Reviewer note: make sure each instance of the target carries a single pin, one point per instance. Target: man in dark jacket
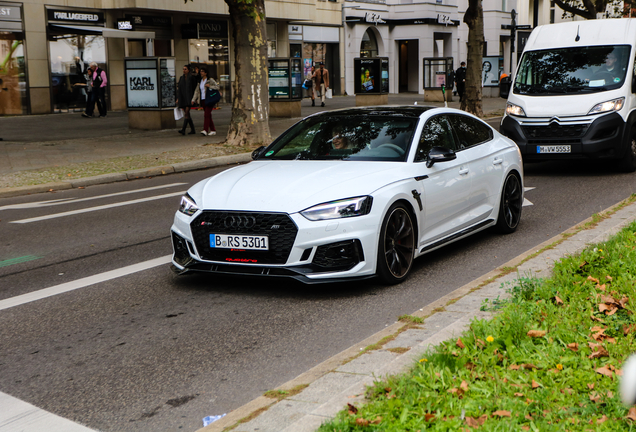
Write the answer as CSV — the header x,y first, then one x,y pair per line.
x,y
460,80
185,91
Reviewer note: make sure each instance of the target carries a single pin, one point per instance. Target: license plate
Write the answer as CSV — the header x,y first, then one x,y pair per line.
x,y
554,149
238,241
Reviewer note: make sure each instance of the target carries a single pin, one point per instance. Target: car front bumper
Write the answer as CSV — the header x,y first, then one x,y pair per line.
x,y
319,251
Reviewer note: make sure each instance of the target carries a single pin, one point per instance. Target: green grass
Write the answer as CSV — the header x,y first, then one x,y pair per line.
x,y
498,377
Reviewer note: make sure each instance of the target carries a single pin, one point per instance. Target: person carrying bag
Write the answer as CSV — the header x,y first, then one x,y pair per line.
x,y
185,91
200,96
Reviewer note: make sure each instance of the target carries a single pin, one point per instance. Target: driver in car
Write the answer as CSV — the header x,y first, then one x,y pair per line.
x,y
338,140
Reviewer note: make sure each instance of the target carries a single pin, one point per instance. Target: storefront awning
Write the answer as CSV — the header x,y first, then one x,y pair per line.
x,y
106,32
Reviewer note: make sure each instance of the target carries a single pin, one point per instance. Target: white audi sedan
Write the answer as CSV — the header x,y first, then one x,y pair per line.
x,y
353,193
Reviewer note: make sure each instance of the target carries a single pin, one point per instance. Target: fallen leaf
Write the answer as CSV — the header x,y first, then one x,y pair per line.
x,y
605,371
631,415
525,428
476,422
610,394
592,279
429,417
529,366
593,318
536,333
519,394
501,413
608,277
599,352
378,419
528,417
627,329
460,344
480,343
362,422
352,409
535,384
601,287
573,346
583,264
513,367
464,386
595,397
590,386
602,419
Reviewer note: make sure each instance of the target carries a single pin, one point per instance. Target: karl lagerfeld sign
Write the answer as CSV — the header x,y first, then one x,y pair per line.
x,y
141,88
75,16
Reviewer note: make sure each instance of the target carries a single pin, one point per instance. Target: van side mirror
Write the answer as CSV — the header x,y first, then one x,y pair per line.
x,y
634,84
504,87
439,154
256,153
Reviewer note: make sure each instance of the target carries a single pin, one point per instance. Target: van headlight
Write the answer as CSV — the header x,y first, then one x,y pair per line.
x,y
609,106
349,207
515,110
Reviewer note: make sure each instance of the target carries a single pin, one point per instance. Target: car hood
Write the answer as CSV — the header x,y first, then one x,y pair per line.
x,y
292,186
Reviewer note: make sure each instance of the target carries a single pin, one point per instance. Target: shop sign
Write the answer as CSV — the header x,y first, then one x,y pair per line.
x,y
444,19
125,25
75,16
373,18
150,20
142,88
10,13
211,29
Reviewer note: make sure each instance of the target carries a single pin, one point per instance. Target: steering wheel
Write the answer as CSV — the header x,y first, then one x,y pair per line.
x,y
396,148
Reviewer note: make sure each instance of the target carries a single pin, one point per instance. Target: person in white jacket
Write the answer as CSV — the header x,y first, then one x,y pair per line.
x,y
199,98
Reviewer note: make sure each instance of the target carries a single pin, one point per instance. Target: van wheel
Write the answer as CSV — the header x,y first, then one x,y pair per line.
x,y
510,205
628,161
396,246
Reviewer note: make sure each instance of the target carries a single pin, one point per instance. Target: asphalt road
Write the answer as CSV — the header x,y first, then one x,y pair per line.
x,y
151,351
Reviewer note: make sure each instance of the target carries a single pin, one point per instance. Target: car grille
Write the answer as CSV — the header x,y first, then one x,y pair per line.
x,y
555,133
279,227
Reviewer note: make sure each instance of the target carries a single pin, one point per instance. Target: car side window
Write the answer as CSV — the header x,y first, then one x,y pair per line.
x,y
437,132
470,131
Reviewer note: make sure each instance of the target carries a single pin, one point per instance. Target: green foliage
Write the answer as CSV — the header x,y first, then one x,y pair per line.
x,y
500,377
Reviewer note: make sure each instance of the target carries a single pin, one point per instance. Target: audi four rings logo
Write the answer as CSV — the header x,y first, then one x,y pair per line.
x,y
239,221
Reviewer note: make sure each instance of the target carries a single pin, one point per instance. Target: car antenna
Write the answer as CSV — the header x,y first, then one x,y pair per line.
x,y
577,38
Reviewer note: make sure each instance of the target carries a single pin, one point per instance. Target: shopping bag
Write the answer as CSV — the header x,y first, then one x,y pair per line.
x,y
212,97
328,94
178,114
307,84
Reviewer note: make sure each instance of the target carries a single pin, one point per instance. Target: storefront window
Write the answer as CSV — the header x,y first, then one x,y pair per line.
x,y
214,54
13,97
70,57
369,45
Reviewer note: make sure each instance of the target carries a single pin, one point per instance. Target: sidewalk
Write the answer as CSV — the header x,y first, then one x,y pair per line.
x,y
57,140
327,388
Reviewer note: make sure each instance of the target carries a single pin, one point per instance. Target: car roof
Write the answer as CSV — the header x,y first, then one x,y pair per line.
x,y
413,111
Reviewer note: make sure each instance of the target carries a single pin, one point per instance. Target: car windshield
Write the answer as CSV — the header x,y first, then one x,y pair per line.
x,y
346,138
572,70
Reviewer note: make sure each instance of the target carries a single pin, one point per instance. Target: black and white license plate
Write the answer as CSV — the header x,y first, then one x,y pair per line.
x,y
239,241
554,149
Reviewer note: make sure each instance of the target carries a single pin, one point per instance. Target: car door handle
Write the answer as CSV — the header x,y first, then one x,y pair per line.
x,y
497,161
463,171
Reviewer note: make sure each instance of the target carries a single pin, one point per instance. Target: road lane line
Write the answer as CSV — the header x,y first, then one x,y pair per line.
x,y
49,203
92,209
82,283
17,415
18,260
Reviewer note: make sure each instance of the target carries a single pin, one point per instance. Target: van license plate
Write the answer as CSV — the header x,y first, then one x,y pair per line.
x,y
554,149
247,242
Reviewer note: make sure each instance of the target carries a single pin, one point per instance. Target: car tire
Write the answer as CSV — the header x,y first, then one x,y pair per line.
x,y
510,205
396,245
628,162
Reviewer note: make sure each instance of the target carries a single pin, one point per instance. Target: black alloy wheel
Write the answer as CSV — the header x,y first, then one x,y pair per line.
x,y
396,247
510,205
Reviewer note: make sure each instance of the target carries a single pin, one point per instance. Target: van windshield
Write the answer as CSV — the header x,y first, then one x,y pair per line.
x,y
572,70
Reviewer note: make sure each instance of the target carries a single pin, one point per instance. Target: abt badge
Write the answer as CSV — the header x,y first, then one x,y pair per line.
x,y
275,227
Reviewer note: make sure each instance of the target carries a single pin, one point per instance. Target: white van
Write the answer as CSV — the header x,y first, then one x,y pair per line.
x,y
574,93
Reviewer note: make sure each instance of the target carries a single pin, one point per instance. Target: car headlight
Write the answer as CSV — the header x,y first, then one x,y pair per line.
x,y
349,207
188,206
603,107
515,110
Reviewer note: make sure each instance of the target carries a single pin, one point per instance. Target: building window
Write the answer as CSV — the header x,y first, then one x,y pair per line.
x,y
369,45
271,39
13,97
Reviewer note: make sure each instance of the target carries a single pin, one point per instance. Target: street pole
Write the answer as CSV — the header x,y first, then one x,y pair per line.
x,y
513,32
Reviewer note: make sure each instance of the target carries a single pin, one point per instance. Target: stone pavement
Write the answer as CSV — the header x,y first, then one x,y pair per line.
x,y
343,379
56,140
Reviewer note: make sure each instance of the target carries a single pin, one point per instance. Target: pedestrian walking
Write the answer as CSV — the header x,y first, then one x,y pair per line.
x,y
200,93
460,80
90,102
311,75
185,92
98,91
322,82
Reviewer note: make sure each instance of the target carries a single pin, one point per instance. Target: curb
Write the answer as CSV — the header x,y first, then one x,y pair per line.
x,y
128,175
453,313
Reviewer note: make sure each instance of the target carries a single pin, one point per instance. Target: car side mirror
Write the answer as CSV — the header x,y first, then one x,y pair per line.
x,y
504,87
256,153
439,154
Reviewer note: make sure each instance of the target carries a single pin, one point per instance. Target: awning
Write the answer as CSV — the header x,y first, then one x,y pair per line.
x,y
106,32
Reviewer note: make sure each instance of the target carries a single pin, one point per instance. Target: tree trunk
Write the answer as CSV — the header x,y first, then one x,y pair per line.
x,y
474,18
250,108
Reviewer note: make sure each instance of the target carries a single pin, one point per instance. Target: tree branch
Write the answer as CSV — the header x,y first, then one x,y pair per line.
x,y
585,13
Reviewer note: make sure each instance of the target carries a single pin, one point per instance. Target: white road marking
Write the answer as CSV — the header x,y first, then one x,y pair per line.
x,y
73,200
17,415
102,207
81,283
525,200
